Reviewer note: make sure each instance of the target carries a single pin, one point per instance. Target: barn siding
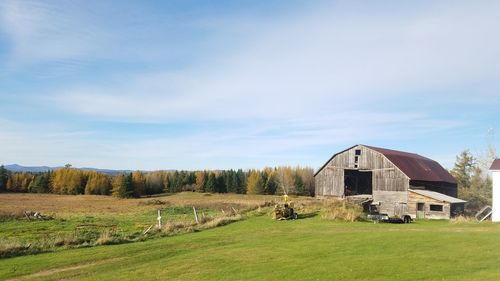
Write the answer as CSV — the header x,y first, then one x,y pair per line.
x,y
330,180
327,180
415,198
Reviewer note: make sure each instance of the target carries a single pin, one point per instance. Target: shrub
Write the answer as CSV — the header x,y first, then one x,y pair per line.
x,y
462,219
15,248
341,210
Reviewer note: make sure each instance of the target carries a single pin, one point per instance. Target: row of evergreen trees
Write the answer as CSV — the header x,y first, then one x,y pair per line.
x,y
68,180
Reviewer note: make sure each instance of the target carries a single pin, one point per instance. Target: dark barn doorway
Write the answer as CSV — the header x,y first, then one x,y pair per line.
x,y
356,182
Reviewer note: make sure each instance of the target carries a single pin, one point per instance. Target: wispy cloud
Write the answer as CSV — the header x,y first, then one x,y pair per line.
x,y
283,88
243,145
44,32
316,63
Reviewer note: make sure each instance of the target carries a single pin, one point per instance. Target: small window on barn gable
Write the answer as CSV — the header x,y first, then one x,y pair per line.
x,y
356,159
358,152
436,208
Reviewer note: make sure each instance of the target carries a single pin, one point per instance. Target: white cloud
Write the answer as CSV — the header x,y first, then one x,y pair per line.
x,y
329,76
57,33
314,64
290,142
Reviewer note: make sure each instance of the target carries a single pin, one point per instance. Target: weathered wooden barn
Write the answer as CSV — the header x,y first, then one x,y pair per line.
x,y
395,182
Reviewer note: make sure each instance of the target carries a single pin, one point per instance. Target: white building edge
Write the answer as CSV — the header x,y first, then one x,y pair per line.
x,y
495,171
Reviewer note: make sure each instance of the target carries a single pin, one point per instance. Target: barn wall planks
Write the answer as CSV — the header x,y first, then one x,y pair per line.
x,y
415,198
386,176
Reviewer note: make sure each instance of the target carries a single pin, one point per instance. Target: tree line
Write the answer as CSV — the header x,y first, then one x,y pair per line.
x,y
68,180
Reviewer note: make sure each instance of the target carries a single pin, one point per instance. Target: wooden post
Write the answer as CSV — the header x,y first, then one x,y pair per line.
x,y
145,231
195,215
159,218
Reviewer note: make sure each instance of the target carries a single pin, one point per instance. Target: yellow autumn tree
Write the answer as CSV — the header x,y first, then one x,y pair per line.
x,y
68,181
255,183
97,184
138,183
201,178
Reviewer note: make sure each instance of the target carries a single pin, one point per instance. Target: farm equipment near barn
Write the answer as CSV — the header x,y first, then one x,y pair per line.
x,y
285,210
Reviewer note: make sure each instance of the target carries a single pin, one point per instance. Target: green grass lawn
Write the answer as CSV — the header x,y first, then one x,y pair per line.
x,y
261,249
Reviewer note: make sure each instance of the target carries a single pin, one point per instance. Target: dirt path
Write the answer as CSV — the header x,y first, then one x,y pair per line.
x,y
49,272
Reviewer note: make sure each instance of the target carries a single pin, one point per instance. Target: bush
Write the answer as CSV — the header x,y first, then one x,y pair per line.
x,y
462,219
14,248
341,210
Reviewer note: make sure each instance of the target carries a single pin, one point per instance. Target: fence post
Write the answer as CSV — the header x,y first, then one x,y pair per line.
x,y
159,218
195,215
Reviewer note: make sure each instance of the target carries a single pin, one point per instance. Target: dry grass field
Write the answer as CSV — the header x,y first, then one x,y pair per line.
x,y
83,220
14,204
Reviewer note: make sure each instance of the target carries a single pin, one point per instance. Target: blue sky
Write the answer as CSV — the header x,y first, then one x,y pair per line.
x,y
244,84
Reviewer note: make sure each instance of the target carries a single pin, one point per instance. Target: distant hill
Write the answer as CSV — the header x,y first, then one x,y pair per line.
x,y
40,169
36,169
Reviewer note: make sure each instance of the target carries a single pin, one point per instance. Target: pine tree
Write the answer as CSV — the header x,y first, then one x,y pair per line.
x,y
175,182
122,186
299,184
231,180
473,185
271,184
4,178
166,183
211,185
241,181
464,167
40,183
220,183
190,179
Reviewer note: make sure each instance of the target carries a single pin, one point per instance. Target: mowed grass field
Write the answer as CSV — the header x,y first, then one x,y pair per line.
x,y
259,248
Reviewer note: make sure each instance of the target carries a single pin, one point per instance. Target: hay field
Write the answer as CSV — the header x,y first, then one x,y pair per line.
x,y
67,205
85,220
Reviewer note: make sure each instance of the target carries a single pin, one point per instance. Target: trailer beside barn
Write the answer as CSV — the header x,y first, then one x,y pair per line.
x,y
395,182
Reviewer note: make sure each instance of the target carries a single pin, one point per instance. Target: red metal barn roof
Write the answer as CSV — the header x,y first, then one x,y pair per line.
x,y
416,167
495,165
